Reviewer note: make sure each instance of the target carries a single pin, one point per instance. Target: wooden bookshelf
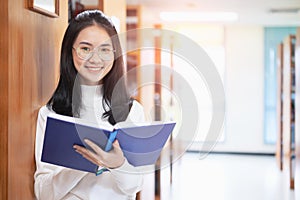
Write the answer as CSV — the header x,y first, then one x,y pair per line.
x,y
133,56
289,106
133,22
279,145
297,114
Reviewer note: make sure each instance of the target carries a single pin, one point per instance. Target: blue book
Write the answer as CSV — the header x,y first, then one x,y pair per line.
x,y
140,143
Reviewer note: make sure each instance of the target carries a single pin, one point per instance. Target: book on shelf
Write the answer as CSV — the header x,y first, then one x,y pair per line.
x,y
141,143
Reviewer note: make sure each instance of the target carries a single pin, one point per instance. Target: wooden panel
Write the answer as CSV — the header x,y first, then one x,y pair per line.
x,y
297,115
30,47
4,100
279,145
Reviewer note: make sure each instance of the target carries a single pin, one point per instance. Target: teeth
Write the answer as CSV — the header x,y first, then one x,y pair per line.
x,y
94,68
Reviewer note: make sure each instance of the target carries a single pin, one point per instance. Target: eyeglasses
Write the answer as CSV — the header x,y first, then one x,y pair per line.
x,y
84,52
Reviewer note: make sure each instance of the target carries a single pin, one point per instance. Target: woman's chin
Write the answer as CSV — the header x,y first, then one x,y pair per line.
x,y
92,78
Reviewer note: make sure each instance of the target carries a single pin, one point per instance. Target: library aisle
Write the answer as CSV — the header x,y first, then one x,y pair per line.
x,y
226,177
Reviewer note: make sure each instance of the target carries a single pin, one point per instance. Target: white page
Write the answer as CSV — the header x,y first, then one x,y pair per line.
x,y
100,125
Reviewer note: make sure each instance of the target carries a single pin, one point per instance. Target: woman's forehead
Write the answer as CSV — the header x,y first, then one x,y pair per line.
x,y
94,35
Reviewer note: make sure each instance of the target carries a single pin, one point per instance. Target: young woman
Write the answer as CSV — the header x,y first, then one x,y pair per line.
x,y
91,68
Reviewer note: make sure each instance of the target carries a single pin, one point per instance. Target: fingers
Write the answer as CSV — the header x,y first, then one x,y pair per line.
x,y
87,154
112,159
95,147
116,146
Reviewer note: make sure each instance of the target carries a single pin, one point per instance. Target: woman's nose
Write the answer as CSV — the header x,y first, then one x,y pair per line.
x,y
96,59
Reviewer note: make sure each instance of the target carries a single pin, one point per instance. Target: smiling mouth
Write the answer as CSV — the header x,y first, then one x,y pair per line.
x,y
94,68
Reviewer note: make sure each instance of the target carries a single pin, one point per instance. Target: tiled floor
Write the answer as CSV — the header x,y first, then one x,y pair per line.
x,y
224,177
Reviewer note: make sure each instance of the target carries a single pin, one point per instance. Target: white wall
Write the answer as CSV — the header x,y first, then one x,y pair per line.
x,y
244,90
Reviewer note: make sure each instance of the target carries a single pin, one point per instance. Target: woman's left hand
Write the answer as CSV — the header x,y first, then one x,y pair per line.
x,y
112,159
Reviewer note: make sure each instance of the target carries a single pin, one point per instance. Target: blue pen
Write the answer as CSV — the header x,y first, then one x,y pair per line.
x,y
111,138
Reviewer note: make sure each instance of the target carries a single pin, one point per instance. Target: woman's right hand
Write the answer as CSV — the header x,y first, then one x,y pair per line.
x,y
112,159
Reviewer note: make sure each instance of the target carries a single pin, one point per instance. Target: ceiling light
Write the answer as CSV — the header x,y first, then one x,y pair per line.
x,y
199,16
285,10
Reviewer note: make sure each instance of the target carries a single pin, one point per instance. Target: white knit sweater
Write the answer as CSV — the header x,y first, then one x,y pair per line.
x,y
54,182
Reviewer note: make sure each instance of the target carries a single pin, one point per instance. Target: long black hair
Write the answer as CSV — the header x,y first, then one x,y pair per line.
x,y
116,104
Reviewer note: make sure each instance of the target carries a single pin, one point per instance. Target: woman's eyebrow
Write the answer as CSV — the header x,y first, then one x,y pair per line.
x,y
101,45
105,45
87,43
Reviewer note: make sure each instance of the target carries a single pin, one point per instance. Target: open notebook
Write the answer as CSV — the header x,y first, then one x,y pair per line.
x,y
140,143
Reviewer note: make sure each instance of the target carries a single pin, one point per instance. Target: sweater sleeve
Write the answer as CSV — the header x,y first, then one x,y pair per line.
x,y
51,181
129,178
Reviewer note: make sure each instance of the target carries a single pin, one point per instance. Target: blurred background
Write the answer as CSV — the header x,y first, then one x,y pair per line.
x,y
254,47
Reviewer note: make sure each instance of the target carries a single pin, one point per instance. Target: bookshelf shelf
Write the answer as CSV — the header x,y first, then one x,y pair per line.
x,y
133,22
286,107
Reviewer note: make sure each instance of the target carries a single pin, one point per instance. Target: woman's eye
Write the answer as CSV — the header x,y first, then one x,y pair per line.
x,y
105,50
85,49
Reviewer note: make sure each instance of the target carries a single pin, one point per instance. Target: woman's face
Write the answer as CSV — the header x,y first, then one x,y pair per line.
x,y
93,55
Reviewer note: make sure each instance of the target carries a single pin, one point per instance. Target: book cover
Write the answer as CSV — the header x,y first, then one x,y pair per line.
x,y
140,143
